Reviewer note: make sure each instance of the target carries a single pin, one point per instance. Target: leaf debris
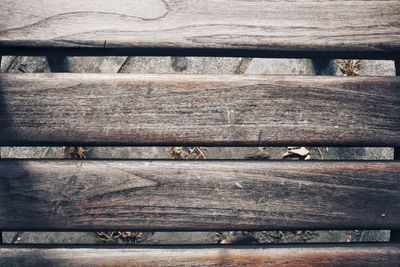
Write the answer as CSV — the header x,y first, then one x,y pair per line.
x,y
74,152
121,236
349,67
180,152
295,152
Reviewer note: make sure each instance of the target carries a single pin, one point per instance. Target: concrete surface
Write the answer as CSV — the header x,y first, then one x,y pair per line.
x,y
184,65
95,64
280,66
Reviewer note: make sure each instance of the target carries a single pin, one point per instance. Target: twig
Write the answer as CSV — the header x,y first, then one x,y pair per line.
x,y
320,153
46,152
123,64
15,238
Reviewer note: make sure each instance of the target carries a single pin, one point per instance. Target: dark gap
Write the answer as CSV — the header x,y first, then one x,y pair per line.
x,y
58,63
198,52
198,237
214,153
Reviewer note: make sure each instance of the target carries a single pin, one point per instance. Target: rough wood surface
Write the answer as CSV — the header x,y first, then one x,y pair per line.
x,y
198,195
274,25
116,109
307,255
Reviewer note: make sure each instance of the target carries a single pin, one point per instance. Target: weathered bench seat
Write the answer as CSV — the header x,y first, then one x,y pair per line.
x,y
212,110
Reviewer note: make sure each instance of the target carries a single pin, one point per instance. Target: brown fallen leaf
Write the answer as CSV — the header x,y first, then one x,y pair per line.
x,y
74,152
297,153
106,236
259,153
349,67
180,152
81,152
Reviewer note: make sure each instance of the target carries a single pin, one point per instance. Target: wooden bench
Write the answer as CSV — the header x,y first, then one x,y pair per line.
x,y
223,110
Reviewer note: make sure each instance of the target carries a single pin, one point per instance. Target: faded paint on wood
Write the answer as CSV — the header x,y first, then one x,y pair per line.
x,y
198,195
115,109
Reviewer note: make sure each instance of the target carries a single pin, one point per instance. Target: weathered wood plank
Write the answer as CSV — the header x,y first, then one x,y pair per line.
x,y
93,109
198,195
397,149
307,255
274,26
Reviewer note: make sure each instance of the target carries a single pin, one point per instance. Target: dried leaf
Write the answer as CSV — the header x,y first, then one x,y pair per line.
x,y
197,152
74,152
349,67
178,152
104,235
297,153
121,236
81,152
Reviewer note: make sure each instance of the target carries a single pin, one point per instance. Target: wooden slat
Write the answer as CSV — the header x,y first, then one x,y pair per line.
x,y
275,26
198,195
116,109
397,149
307,255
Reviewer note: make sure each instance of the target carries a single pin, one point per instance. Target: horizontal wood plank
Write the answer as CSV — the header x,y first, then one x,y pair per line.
x,y
198,195
275,26
117,109
307,255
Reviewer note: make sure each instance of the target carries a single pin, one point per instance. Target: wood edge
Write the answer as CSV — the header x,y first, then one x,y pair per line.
x,y
203,246
395,234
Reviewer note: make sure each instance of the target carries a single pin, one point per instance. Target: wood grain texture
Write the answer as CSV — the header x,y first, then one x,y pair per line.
x,y
198,195
307,255
272,25
116,109
397,149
